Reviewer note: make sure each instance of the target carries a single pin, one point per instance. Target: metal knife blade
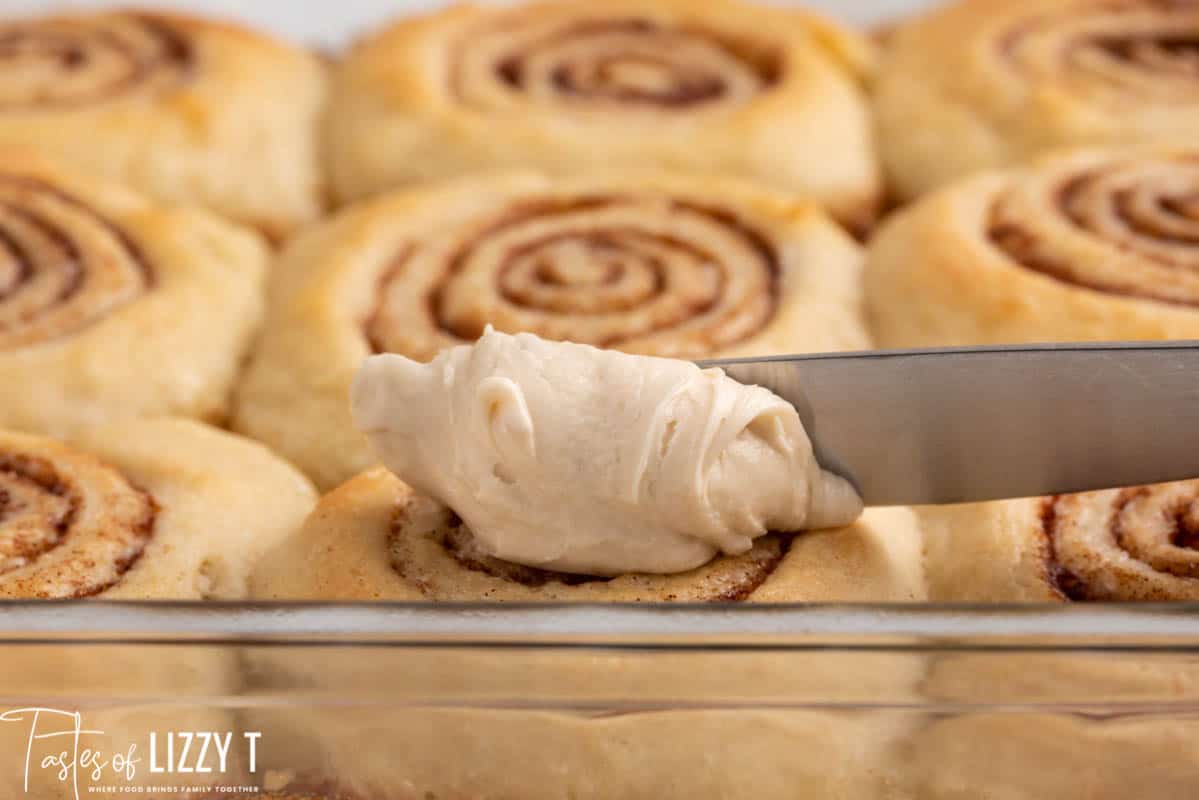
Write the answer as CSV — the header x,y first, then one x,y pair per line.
x,y
954,425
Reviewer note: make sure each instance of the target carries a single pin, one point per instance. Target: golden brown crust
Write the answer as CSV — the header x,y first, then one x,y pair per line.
x,y
979,84
373,538
645,261
185,109
112,306
716,85
157,509
1087,245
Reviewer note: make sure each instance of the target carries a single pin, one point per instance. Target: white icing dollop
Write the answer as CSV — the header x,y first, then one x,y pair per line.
x,y
571,458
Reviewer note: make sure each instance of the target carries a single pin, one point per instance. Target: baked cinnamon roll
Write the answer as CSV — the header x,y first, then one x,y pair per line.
x,y
562,86
187,110
142,510
379,540
375,539
1112,545
112,306
980,84
1090,245
644,262
149,509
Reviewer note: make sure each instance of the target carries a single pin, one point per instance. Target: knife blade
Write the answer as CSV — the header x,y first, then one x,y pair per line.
x,y
953,425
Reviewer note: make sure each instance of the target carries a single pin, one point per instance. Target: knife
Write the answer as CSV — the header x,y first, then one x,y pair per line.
x,y
911,427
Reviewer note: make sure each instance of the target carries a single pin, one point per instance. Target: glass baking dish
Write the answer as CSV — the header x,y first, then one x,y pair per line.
x,y
374,702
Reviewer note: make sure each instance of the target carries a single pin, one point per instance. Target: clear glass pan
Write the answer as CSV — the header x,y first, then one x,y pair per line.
x,y
374,702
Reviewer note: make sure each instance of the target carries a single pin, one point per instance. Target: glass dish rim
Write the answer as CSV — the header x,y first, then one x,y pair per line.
x,y
924,626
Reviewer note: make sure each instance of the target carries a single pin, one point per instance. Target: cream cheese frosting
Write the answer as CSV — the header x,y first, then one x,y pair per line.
x,y
571,458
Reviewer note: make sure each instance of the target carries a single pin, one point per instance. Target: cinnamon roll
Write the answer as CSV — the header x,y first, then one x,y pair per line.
x,y
1089,245
980,84
147,509
644,262
379,540
375,539
1111,545
142,510
1108,546
560,86
112,306
187,110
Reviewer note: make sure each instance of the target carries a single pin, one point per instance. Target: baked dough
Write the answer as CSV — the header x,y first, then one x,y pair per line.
x,y
645,262
712,85
375,539
741,754
1090,245
1111,545
1030,756
140,510
978,84
185,109
372,539
112,306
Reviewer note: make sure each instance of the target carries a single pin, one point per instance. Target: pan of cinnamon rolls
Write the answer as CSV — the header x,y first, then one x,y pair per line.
x,y
508,211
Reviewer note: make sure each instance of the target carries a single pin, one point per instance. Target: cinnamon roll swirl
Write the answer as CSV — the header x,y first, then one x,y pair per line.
x,y
113,307
561,86
1112,545
642,261
154,509
379,540
1088,245
988,83
184,109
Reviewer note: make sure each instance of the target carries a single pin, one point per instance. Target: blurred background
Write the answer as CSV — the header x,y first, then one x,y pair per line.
x,y
332,22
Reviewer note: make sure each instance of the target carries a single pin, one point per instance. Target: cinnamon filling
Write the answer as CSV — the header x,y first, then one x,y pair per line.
x,y
63,265
1127,213
461,545
589,269
1186,529
68,62
1066,584
620,61
1111,44
1157,526
418,539
36,509
66,538
1155,532
1167,54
